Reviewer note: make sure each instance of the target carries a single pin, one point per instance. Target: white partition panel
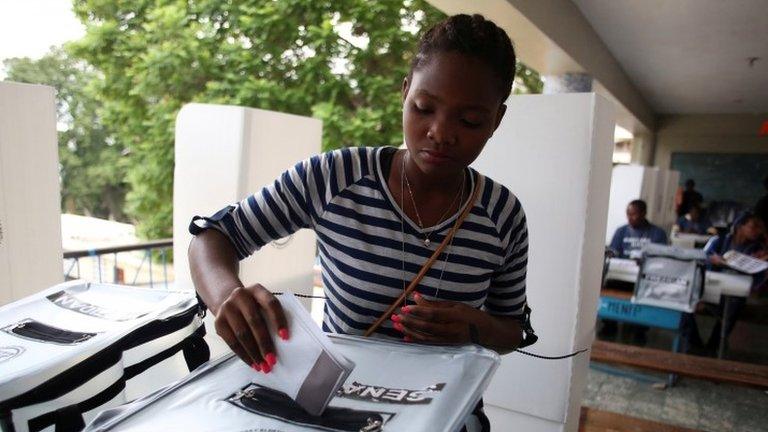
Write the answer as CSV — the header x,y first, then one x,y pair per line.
x,y
653,185
225,153
554,152
30,209
668,214
629,182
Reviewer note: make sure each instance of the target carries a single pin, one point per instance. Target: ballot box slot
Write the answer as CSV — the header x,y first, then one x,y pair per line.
x,y
277,405
31,329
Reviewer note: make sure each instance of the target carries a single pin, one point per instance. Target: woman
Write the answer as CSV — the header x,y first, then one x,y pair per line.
x,y
379,214
747,237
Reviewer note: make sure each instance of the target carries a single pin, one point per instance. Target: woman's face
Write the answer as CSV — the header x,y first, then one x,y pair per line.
x,y
753,229
451,107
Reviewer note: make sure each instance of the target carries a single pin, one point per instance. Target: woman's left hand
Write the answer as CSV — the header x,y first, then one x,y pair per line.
x,y
440,322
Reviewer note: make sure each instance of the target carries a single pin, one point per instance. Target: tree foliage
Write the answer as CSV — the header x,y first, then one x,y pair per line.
x,y
340,61
92,168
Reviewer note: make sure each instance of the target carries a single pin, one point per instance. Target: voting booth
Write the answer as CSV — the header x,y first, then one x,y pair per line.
x,y
666,211
554,152
76,348
657,187
30,213
225,153
396,386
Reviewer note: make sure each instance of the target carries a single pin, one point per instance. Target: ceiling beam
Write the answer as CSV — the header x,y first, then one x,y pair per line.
x,y
553,37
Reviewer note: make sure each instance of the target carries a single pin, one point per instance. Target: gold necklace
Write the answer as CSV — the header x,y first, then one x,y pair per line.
x,y
416,208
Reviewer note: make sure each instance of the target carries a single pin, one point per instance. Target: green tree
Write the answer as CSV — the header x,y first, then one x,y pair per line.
x,y
91,165
340,61
527,80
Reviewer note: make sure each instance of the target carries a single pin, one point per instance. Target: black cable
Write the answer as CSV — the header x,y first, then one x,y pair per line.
x,y
573,354
538,356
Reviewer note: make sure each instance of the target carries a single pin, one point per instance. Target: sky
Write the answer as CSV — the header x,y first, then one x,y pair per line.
x,y
29,27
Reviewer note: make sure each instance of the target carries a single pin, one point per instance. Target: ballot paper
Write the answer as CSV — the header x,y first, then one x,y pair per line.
x,y
310,368
744,263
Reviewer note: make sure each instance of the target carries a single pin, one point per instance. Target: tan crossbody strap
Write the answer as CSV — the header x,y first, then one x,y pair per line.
x,y
415,282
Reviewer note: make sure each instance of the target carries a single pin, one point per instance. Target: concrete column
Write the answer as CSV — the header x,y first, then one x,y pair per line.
x,y
643,149
568,83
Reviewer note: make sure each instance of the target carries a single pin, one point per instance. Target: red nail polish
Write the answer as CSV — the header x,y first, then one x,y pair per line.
x,y
405,309
407,338
398,327
417,296
283,333
395,318
265,367
256,367
271,359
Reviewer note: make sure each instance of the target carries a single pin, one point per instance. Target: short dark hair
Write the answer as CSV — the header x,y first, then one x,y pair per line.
x,y
640,205
745,218
690,183
474,36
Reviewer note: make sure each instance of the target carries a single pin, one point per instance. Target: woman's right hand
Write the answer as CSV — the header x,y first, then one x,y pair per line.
x,y
243,320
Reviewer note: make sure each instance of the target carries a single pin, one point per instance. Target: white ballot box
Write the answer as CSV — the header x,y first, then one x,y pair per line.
x,y
396,386
553,152
76,348
30,212
716,284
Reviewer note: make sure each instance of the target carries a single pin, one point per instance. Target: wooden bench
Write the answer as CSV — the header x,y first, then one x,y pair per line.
x,y
725,371
619,294
593,420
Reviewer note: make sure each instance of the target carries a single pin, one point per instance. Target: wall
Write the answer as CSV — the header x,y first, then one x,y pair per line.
x,y
30,215
709,133
554,153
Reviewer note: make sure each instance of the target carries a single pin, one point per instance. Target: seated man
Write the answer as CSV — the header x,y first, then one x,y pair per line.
x,y
628,240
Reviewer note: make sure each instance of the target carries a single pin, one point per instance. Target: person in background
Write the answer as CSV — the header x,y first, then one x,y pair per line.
x,y
628,240
761,208
747,237
694,222
690,197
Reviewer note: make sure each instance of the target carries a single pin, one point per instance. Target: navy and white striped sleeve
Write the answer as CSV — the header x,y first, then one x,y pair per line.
x,y
293,201
506,294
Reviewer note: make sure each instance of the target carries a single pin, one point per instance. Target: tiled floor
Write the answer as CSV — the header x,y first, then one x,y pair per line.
x,y
691,403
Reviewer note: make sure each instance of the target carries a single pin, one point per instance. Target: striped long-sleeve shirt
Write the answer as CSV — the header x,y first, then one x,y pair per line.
x,y
369,249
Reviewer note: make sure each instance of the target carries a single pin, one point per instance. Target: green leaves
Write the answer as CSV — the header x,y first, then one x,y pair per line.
x,y
340,61
92,168
286,55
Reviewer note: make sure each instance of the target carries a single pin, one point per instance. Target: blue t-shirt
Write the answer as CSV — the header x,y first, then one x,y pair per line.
x,y
627,239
